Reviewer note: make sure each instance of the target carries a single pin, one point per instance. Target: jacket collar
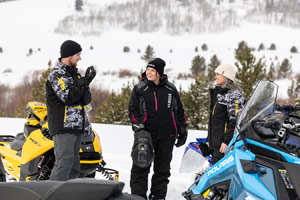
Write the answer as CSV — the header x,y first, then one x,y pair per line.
x,y
71,70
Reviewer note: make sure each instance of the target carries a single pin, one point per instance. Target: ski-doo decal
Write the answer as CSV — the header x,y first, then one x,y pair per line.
x,y
61,83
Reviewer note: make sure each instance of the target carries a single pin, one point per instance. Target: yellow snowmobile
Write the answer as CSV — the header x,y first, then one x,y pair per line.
x,y
30,155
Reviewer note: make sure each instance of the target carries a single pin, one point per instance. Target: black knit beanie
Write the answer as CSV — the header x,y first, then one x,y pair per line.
x,y
158,64
69,48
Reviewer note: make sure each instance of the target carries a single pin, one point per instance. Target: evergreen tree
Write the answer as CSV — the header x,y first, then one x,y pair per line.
x,y
272,47
294,90
149,54
294,49
30,51
271,74
249,71
196,49
284,69
196,103
126,49
241,46
39,87
116,110
214,63
49,63
261,47
204,47
198,65
1,50
78,5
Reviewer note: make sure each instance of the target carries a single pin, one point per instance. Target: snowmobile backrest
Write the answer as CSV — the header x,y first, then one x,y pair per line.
x,y
29,129
18,142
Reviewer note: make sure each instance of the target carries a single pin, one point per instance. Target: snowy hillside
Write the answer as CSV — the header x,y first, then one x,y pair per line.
x,y
116,144
29,40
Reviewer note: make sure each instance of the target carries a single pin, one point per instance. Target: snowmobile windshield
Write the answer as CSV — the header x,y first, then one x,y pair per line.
x,y
261,104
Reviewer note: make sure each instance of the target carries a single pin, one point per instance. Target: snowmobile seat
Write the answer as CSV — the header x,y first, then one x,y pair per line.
x,y
75,189
18,142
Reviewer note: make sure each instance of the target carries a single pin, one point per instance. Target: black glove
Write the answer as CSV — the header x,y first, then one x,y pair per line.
x,y
137,127
204,149
90,73
181,139
83,82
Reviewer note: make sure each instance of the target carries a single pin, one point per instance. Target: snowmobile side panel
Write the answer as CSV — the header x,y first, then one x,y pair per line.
x,y
11,160
288,158
230,169
35,145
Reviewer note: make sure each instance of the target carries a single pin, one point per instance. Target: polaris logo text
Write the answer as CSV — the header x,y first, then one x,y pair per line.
x,y
220,165
169,100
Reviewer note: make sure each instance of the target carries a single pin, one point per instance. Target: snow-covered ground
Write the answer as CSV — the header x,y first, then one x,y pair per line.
x,y
30,24
116,144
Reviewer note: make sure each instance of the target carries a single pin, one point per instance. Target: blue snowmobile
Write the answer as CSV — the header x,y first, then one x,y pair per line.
x,y
262,161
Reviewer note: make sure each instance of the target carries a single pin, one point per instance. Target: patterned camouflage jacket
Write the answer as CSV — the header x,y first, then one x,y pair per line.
x,y
225,104
66,100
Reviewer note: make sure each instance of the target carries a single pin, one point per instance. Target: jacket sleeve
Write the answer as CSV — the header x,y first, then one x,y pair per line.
x,y
134,107
235,104
86,96
66,89
181,116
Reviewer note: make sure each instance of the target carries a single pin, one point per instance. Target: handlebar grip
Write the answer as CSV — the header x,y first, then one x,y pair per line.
x,y
297,107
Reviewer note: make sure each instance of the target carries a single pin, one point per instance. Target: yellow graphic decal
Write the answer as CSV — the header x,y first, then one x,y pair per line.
x,y
65,113
77,107
206,193
225,127
213,112
62,84
236,107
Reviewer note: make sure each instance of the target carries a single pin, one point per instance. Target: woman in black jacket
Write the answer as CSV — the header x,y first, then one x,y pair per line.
x,y
155,108
226,101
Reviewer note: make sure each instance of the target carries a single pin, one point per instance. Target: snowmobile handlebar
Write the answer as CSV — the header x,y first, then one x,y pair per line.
x,y
289,108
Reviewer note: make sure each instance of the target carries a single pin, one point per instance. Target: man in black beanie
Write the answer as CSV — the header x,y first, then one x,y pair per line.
x,y
156,112
67,93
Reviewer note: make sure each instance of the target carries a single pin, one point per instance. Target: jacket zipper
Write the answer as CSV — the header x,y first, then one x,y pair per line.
x,y
155,100
174,121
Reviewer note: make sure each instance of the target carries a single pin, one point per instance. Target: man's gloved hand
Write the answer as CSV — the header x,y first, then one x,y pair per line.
x,y
83,82
204,149
90,73
137,127
181,139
